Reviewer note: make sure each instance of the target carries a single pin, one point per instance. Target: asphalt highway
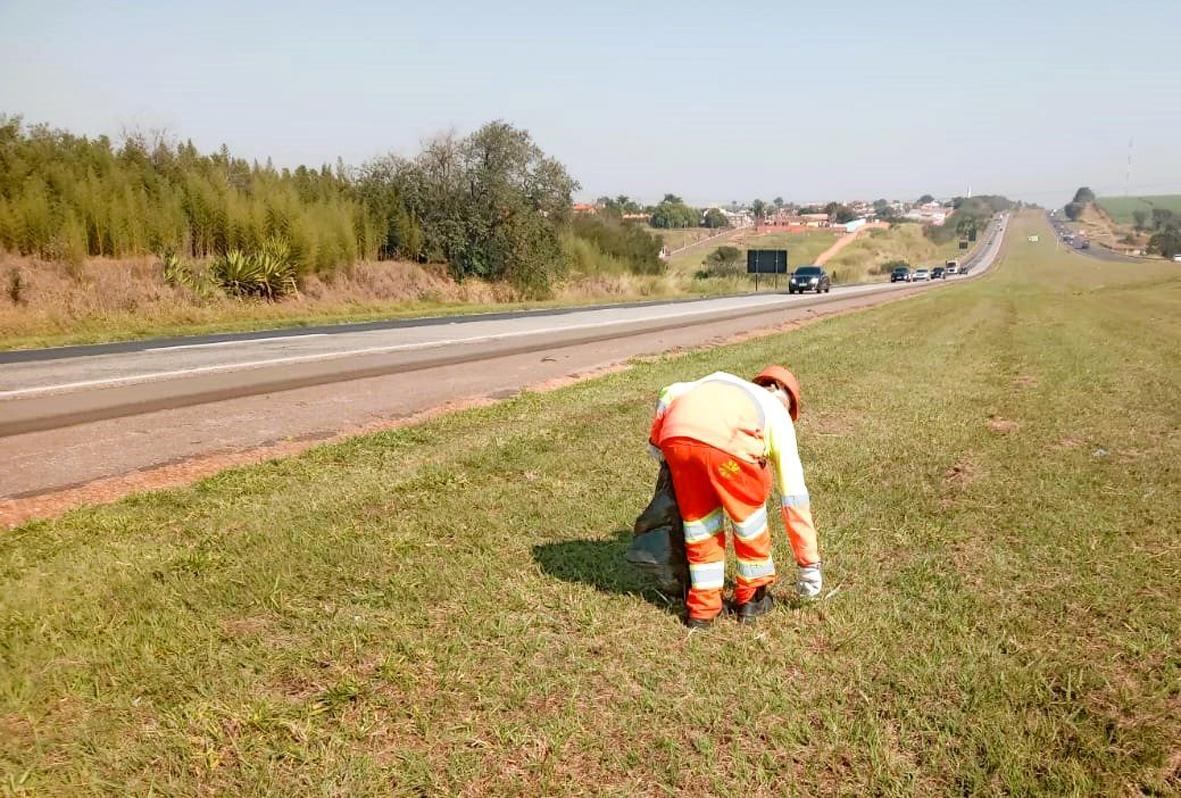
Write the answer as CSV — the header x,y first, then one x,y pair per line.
x,y
46,389
1096,251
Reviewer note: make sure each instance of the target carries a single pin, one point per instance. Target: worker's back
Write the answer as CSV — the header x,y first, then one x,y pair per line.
x,y
723,413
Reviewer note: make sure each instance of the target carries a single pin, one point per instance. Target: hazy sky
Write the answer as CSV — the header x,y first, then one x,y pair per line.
x,y
714,101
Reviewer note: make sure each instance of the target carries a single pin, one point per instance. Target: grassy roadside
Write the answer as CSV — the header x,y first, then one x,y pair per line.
x,y
443,609
682,237
1121,209
114,302
803,247
864,258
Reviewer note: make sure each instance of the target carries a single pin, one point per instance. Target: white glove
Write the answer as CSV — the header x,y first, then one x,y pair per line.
x,y
810,583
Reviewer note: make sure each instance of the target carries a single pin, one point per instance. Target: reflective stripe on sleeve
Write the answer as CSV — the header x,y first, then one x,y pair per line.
x,y
795,500
707,575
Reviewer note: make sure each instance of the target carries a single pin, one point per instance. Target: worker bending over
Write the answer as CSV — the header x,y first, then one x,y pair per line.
x,y
718,435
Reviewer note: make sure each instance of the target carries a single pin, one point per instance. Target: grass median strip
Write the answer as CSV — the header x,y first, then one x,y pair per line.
x,y
443,609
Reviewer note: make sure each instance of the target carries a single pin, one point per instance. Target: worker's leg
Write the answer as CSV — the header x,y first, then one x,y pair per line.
x,y
704,520
744,488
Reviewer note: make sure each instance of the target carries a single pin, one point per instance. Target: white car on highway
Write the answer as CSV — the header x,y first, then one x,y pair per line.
x,y
921,274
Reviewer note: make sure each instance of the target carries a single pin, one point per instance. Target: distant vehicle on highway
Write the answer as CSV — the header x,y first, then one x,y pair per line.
x,y
900,275
952,266
809,278
1177,258
938,273
921,274
1083,244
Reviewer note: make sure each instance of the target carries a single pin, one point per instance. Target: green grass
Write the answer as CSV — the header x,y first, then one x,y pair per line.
x,y
444,609
1120,209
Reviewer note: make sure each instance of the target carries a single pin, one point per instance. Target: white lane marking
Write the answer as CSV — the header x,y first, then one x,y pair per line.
x,y
231,343
110,382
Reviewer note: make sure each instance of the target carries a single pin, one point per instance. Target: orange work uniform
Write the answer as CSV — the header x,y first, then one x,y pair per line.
x,y
718,435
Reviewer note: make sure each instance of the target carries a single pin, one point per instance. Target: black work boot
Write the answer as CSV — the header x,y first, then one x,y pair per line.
x,y
699,623
762,603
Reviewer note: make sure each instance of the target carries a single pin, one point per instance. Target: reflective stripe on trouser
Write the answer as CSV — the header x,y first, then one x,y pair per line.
x,y
709,482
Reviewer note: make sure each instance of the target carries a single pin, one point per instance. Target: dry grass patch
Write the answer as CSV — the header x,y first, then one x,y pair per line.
x,y
1002,426
833,423
47,303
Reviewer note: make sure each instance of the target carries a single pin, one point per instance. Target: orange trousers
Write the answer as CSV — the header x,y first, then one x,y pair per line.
x,y
711,485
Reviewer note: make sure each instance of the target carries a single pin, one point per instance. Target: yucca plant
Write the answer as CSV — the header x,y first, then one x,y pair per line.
x,y
181,274
175,271
236,273
268,273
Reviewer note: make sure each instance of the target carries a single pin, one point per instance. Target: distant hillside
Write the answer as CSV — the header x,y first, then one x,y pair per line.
x,y
1120,209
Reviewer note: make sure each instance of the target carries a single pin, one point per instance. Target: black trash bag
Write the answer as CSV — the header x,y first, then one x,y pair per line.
x,y
658,548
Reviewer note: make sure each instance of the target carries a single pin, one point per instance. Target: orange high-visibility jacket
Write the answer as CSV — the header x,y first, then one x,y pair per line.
x,y
750,423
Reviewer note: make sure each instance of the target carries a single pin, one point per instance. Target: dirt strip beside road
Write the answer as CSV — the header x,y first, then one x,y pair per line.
x,y
845,240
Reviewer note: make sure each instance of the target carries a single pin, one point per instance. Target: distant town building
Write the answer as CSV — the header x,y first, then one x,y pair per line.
x,y
928,213
737,218
815,219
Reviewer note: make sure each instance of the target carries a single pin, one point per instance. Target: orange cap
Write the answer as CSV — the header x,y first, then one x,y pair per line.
x,y
789,382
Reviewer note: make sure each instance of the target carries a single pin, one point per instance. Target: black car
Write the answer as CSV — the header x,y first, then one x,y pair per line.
x,y
900,275
938,273
809,278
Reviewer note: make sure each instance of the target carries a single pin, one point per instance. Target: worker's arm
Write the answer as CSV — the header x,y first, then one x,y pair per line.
x,y
667,394
780,435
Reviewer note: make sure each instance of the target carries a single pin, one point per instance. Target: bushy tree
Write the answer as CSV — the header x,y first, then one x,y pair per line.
x,y
1162,218
972,214
839,213
1084,195
672,212
1073,210
884,210
1140,219
1166,240
630,243
617,206
488,205
715,219
923,200
722,262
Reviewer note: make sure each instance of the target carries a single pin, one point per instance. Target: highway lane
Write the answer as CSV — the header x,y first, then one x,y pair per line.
x,y
1096,251
91,383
